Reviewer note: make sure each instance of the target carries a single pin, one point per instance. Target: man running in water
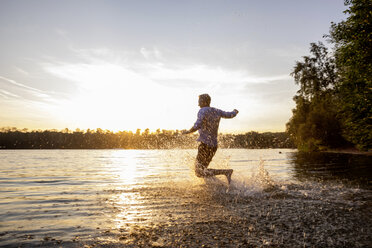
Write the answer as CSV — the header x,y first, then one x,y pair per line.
x,y
207,125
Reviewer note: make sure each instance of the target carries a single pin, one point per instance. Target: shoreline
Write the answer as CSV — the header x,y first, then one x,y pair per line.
x,y
272,218
353,151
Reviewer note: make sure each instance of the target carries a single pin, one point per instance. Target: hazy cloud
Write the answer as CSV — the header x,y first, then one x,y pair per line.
x,y
151,54
7,95
23,91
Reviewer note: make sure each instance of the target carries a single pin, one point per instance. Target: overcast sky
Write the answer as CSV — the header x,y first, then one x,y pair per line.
x,y
123,65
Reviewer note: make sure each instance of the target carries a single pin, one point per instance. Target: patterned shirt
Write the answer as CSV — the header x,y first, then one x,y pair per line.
x,y
208,122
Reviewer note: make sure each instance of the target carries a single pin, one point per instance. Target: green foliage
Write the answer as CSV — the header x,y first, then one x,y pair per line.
x,y
334,103
353,52
315,124
316,74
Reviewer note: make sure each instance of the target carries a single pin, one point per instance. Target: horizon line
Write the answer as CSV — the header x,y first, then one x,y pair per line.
x,y
140,130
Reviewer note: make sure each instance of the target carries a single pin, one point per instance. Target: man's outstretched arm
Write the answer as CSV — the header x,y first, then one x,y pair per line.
x,y
231,114
191,130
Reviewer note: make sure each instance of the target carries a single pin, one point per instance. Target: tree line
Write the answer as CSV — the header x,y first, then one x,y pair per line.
x,y
13,138
334,102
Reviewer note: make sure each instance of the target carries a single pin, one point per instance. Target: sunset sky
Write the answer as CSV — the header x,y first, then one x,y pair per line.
x,y
123,65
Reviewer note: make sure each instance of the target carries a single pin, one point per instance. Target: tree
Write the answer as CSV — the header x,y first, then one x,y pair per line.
x,y
316,74
353,53
314,124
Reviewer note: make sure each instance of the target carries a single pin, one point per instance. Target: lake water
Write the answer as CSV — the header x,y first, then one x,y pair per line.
x,y
116,198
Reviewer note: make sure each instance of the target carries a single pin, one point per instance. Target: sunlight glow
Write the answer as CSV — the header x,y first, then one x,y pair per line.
x,y
116,97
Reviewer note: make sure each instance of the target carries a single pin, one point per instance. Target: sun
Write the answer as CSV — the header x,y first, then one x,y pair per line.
x,y
112,97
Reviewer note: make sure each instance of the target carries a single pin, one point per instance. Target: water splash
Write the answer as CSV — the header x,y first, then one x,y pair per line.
x,y
258,182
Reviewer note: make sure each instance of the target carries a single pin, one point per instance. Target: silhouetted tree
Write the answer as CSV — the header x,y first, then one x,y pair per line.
x,y
315,123
353,53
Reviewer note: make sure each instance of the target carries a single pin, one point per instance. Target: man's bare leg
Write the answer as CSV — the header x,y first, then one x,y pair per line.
x,y
202,171
215,172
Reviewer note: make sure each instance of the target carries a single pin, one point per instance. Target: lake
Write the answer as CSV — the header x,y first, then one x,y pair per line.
x,y
131,198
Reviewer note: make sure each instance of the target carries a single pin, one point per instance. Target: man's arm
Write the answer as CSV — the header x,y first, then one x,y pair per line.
x,y
191,130
197,124
231,114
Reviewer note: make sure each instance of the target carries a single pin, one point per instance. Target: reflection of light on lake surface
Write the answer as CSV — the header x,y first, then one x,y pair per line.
x,y
124,166
128,168
129,208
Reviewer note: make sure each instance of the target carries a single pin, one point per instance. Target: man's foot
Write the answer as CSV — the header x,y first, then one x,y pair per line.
x,y
228,176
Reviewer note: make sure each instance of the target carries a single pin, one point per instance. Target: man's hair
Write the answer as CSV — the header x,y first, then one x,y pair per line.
x,y
205,99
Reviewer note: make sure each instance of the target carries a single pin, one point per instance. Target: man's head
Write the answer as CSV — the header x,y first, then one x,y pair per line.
x,y
204,100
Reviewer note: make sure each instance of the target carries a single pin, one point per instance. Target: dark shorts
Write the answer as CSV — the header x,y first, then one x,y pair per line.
x,y
205,155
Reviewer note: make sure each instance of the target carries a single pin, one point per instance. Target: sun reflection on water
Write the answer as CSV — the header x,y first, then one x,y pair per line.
x,y
124,166
130,169
129,209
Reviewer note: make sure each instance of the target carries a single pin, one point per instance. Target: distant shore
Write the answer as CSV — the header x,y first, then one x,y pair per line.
x,y
350,151
105,139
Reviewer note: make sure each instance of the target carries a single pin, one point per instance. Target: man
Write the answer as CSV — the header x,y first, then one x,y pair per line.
x,y
207,125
